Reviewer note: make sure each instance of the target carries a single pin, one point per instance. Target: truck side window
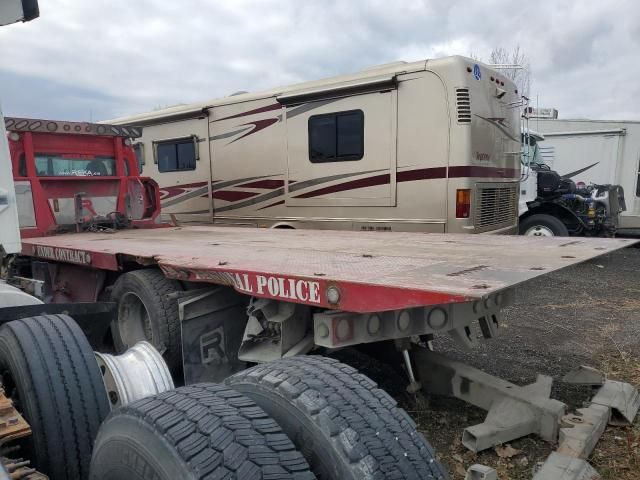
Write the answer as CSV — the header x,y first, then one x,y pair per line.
x,y
22,165
176,155
138,149
336,137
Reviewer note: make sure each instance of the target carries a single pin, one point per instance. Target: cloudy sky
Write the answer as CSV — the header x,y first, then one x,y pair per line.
x,y
100,59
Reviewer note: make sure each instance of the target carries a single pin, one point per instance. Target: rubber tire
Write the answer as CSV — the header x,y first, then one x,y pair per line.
x,y
558,228
152,287
60,392
347,428
195,432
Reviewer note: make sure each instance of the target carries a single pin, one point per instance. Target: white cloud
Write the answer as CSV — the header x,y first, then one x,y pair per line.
x,y
118,57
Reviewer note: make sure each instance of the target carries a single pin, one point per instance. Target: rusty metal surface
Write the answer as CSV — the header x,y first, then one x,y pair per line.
x,y
12,425
77,128
372,271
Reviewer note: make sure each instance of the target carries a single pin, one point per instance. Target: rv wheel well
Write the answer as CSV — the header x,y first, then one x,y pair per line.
x,y
284,225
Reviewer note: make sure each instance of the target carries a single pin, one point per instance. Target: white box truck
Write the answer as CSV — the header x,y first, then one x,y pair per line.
x,y
597,152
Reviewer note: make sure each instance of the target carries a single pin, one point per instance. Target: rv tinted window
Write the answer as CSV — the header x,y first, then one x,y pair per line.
x,y
336,137
176,155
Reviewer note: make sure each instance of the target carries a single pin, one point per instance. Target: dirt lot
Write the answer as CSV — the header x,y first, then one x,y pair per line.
x,y
588,314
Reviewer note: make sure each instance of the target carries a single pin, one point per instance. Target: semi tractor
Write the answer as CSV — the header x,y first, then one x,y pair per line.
x,y
246,320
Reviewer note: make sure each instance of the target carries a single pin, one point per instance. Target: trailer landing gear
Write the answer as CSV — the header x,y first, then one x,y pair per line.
x,y
515,411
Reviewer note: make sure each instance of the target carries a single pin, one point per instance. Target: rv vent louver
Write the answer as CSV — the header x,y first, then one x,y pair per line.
x,y
463,105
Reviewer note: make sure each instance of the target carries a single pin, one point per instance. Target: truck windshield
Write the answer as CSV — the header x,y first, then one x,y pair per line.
x,y
535,157
63,165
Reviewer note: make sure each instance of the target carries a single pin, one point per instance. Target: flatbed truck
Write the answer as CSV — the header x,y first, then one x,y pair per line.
x,y
256,311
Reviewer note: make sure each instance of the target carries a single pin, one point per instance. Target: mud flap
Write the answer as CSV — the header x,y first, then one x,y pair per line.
x,y
212,321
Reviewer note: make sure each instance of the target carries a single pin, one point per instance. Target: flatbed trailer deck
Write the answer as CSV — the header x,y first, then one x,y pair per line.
x,y
369,271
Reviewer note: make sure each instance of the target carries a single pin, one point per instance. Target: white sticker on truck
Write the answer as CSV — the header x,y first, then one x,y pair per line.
x,y
63,254
278,287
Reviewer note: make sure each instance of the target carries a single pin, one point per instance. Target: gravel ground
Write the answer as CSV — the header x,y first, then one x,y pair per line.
x,y
587,314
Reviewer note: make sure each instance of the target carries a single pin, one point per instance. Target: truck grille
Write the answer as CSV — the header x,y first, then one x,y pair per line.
x,y
496,206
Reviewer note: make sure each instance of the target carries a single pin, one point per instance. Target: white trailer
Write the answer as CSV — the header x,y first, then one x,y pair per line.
x,y
597,151
429,146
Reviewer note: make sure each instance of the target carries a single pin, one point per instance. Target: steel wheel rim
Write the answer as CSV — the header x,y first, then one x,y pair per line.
x,y
134,323
539,231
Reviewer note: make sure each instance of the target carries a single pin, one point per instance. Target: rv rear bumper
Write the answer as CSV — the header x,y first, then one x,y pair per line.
x,y
509,230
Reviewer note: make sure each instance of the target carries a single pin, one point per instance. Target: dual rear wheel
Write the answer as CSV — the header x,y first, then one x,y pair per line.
x,y
342,423
297,418
147,311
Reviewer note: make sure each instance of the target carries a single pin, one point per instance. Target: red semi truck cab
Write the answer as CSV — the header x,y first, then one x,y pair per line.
x,y
72,176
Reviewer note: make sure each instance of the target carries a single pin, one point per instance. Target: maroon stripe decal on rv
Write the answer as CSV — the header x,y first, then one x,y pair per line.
x,y
174,190
268,108
352,185
257,126
421,174
470,171
269,184
418,174
232,195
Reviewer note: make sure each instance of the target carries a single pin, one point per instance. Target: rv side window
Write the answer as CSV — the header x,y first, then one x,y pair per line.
x,y
638,181
336,137
176,155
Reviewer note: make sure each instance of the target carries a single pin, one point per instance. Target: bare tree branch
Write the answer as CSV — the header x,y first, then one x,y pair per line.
x,y
521,77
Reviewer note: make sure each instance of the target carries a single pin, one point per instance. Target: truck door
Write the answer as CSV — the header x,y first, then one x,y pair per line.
x,y
342,151
10,231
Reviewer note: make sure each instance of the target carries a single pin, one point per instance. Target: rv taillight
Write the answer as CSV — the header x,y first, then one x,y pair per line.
x,y
463,203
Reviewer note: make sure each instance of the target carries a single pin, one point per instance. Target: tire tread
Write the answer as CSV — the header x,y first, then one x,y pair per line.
x,y
49,358
371,434
215,431
164,308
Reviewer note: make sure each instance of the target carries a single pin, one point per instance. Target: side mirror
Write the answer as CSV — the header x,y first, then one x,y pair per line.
x,y
12,11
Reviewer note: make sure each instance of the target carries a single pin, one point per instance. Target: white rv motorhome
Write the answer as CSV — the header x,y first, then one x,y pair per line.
x,y
599,152
430,146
